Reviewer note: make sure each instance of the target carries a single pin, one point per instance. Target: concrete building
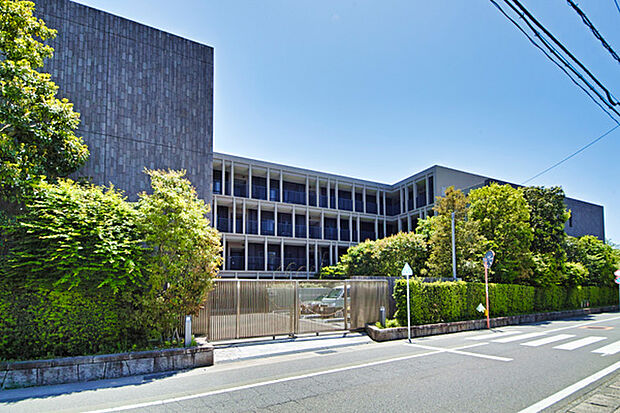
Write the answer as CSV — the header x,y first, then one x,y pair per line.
x,y
145,96
283,221
146,100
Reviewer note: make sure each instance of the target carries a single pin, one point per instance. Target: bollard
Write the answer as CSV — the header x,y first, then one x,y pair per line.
x,y
188,330
382,316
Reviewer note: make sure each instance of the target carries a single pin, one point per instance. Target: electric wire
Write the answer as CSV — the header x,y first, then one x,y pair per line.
x,y
617,6
610,98
573,154
514,22
596,33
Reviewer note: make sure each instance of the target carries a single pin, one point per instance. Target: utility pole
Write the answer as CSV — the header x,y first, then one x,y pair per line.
x,y
453,250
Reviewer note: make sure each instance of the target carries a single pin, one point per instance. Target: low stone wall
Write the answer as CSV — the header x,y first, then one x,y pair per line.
x,y
106,366
386,334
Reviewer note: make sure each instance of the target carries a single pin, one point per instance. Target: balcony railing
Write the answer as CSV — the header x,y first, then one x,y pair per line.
x,y
294,197
223,224
367,235
285,229
345,204
259,192
251,226
331,233
315,232
256,262
236,262
300,231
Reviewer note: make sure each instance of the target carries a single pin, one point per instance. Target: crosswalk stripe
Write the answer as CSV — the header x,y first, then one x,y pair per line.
x,y
608,350
547,340
580,343
492,336
519,337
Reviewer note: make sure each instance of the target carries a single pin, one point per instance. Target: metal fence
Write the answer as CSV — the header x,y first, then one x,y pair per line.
x,y
255,308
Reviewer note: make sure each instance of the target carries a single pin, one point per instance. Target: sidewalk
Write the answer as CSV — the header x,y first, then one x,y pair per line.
x,y
246,350
605,397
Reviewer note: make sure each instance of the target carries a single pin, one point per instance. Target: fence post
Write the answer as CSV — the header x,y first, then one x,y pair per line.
x,y
297,309
238,319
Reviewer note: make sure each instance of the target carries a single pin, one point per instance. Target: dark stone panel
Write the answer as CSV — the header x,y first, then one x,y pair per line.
x,y
145,96
586,219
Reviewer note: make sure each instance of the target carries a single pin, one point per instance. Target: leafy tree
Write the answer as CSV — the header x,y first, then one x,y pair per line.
x,y
599,259
185,249
75,236
504,219
470,244
36,129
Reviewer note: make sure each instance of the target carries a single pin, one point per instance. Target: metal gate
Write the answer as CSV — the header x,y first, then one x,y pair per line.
x,y
255,308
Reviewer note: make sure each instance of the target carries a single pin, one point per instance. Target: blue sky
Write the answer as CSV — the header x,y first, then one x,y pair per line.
x,y
381,90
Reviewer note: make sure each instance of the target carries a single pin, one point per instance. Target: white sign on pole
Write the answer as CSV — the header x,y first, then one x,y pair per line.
x,y
480,308
407,272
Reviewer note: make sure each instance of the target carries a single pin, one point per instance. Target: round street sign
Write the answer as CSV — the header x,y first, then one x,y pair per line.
x,y
488,258
617,279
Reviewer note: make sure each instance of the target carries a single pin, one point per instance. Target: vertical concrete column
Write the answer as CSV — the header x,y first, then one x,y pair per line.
x,y
385,228
250,181
407,198
307,259
363,200
307,223
245,251
223,177
268,184
282,254
322,225
338,226
401,198
243,218
384,205
316,255
307,191
400,225
359,227
293,221
214,223
428,193
351,228
415,195
377,202
353,196
409,223
275,220
318,191
331,254
259,208
265,255
281,185
232,178
336,193
234,216
224,253
329,195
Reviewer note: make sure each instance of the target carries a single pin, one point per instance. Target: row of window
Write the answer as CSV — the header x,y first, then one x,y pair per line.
x,y
294,193
294,258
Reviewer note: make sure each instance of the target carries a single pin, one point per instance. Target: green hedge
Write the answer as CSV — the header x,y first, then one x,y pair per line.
x,y
456,301
43,323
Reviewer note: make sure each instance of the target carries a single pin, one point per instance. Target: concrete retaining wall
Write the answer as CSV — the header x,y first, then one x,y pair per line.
x,y
386,334
105,366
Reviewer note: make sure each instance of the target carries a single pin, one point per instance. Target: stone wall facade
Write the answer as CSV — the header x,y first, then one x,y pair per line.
x,y
145,96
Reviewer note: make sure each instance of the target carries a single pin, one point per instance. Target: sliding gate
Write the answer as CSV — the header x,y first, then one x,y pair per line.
x,y
255,308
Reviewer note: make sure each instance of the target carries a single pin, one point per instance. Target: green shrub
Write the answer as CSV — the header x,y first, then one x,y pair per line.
x,y
456,301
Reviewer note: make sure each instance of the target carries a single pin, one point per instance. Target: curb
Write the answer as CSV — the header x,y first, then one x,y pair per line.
x,y
397,333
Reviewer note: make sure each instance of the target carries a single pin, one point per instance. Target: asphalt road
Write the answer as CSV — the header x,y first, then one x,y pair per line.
x,y
508,369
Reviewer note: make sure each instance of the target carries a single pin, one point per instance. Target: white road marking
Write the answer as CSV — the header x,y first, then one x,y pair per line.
x,y
464,353
493,335
587,323
520,337
580,343
608,350
547,340
282,380
554,398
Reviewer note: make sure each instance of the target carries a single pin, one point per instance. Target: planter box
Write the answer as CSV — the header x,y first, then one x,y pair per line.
x,y
386,334
107,366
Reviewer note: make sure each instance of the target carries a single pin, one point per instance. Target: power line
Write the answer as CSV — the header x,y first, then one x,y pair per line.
x,y
617,6
559,57
610,98
596,33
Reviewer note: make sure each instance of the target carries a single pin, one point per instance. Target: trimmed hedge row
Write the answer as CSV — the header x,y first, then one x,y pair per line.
x,y
456,301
